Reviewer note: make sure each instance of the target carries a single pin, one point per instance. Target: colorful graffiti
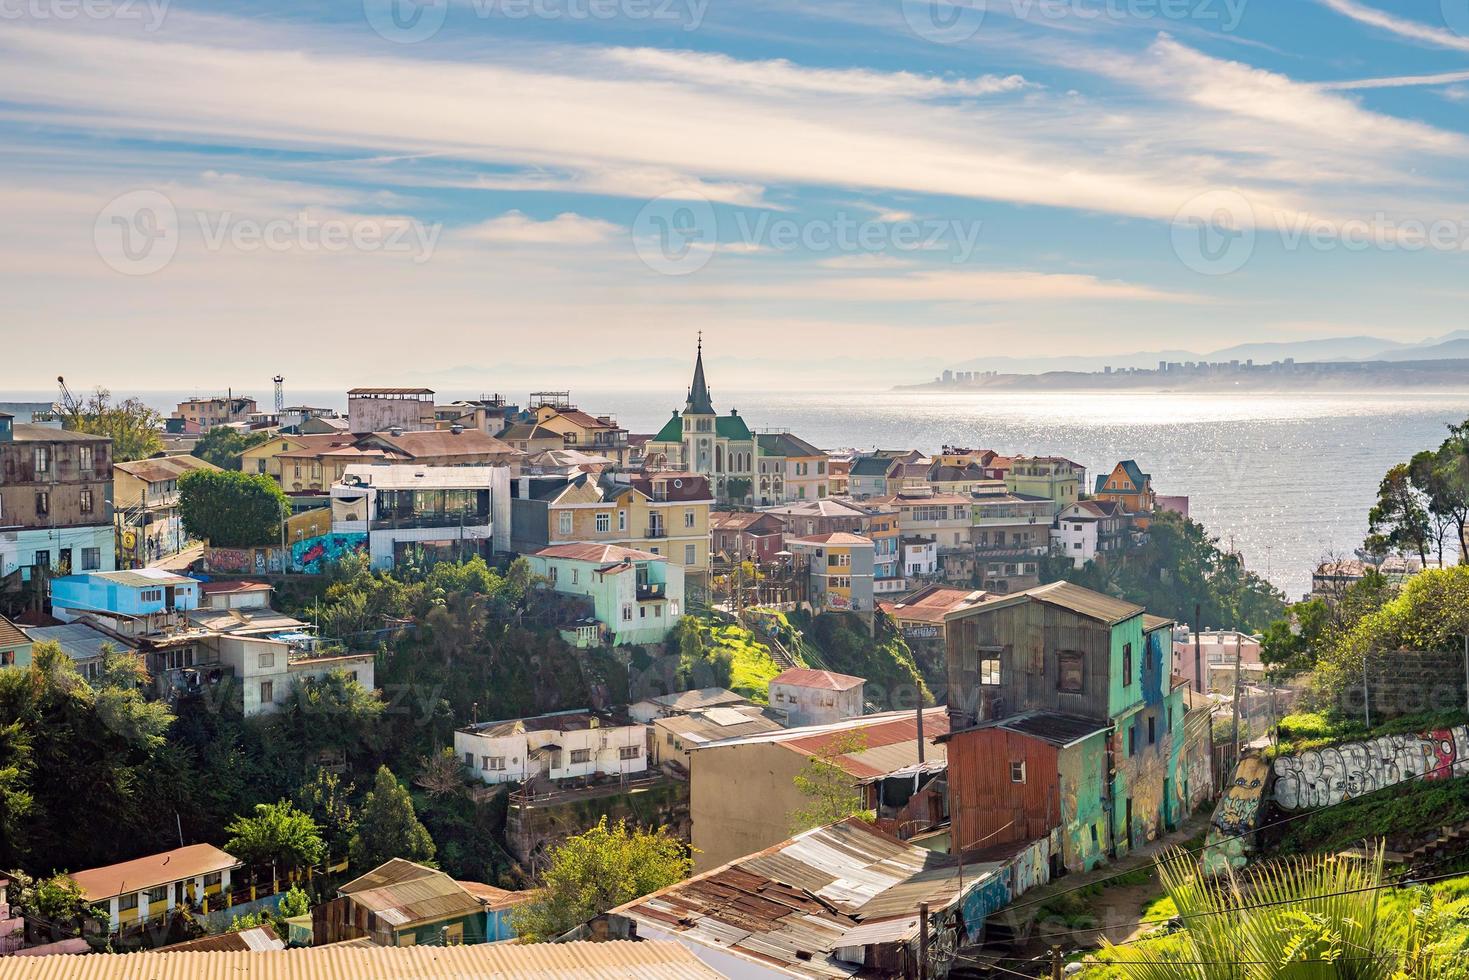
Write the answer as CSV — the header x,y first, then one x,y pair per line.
x,y
1231,830
1328,776
1029,869
311,556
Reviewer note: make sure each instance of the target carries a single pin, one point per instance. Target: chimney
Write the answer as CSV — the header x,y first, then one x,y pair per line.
x,y
456,429
396,430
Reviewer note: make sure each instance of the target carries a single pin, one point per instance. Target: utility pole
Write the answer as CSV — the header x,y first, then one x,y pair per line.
x,y
1198,652
923,941
1057,962
1238,684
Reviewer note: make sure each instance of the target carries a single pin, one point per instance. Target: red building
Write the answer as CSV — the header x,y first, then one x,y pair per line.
x,y
741,536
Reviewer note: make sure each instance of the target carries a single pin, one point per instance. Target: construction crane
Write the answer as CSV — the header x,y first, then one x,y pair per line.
x,y
68,403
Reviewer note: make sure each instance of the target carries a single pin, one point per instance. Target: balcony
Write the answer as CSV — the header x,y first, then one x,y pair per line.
x,y
656,532
412,521
648,591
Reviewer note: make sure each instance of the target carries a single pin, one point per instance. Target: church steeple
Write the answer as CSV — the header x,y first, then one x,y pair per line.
x,y
699,402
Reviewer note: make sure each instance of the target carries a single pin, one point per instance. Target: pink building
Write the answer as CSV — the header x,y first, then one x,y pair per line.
x,y
1217,652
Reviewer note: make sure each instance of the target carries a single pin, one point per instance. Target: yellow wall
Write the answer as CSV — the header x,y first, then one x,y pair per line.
x,y
310,523
639,511
251,458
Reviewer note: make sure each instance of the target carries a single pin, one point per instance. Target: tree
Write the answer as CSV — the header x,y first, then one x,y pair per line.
x,y
388,826
329,803
833,793
1399,520
231,510
277,834
597,871
293,903
223,445
441,774
132,426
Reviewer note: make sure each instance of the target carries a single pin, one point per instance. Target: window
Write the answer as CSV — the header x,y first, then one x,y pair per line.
x,y
622,520
157,896
91,559
267,692
564,522
1017,772
989,670
627,612
642,612
690,554
266,659
85,457
688,518
7,658
43,504
128,903
1126,664
552,574
604,522
86,501
1132,739
469,759
495,763
630,752
575,575
43,459
1071,673
1152,734
213,880
581,756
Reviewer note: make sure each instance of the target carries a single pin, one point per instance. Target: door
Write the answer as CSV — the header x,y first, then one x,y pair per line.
x,y
64,560
1129,824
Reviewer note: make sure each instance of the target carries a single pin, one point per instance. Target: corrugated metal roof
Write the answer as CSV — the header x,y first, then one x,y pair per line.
x,y
824,680
1066,595
426,898
798,902
257,939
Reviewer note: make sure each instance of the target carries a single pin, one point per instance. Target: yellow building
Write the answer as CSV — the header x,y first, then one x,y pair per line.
x,y
148,888
665,514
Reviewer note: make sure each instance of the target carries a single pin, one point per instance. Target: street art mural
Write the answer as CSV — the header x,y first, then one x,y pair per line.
x,y
1328,776
313,555
230,561
1231,830
1029,869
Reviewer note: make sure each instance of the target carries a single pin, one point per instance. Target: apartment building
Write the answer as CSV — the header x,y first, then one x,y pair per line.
x,y
55,500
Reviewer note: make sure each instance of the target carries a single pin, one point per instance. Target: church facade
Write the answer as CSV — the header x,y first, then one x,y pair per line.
x,y
699,440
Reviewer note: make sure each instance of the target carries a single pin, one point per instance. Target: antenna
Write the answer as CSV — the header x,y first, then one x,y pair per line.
x,y
280,395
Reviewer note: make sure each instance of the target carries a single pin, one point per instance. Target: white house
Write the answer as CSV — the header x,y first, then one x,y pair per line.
x,y
268,669
637,596
1085,529
816,697
561,745
444,512
920,558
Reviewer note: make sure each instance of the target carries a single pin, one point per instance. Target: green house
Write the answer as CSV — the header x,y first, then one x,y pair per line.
x,y
15,646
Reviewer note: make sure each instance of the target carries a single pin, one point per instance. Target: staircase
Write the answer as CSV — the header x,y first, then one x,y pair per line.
x,y
1451,842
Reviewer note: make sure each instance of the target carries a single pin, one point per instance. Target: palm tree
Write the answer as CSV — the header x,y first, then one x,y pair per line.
x,y
1324,916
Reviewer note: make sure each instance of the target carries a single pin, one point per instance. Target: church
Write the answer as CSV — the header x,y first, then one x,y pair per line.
x,y
701,441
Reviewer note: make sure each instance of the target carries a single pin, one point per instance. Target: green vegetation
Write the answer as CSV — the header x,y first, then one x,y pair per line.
x,y
131,425
1181,566
223,445
884,660
597,871
277,834
1404,810
713,653
830,792
1298,918
231,510
1423,505
1310,730
388,826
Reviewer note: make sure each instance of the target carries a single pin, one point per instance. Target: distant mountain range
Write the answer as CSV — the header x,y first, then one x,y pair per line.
x,y
1451,345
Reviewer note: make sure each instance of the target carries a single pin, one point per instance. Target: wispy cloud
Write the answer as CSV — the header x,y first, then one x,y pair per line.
x,y
515,228
1411,29
1397,81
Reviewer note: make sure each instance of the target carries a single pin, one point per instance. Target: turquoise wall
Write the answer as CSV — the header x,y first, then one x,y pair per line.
x,y
1121,697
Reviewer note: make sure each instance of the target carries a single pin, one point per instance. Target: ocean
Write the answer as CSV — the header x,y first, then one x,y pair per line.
x,y
1285,479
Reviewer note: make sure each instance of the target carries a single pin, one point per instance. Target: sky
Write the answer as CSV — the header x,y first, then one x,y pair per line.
x,y
498,193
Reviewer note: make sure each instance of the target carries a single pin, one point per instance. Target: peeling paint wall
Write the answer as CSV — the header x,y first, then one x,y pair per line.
x,y
1231,839
1086,834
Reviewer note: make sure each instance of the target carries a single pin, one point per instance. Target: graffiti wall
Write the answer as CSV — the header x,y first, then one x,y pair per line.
x,y
313,555
1029,869
242,561
1231,839
1328,776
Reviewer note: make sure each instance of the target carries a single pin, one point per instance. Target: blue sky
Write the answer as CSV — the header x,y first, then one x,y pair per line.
x,y
499,191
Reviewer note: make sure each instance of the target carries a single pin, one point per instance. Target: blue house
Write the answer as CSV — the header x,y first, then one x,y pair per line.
x,y
135,602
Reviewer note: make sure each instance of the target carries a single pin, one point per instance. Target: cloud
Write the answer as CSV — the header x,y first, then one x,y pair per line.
x,y
781,76
1396,81
971,286
514,227
1411,29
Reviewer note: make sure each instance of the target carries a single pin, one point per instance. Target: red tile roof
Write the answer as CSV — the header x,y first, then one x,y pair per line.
x,y
98,884
835,538
602,553
824,680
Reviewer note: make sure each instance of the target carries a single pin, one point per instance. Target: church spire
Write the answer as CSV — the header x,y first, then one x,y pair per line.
x,y
699,402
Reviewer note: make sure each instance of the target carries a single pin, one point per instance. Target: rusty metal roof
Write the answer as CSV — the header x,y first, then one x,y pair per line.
x,y
1065,595
389,873
424,898
797,903
351,961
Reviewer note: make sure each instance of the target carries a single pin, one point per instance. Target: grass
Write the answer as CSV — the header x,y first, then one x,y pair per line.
x,y
1309,730
1403,809
751,666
